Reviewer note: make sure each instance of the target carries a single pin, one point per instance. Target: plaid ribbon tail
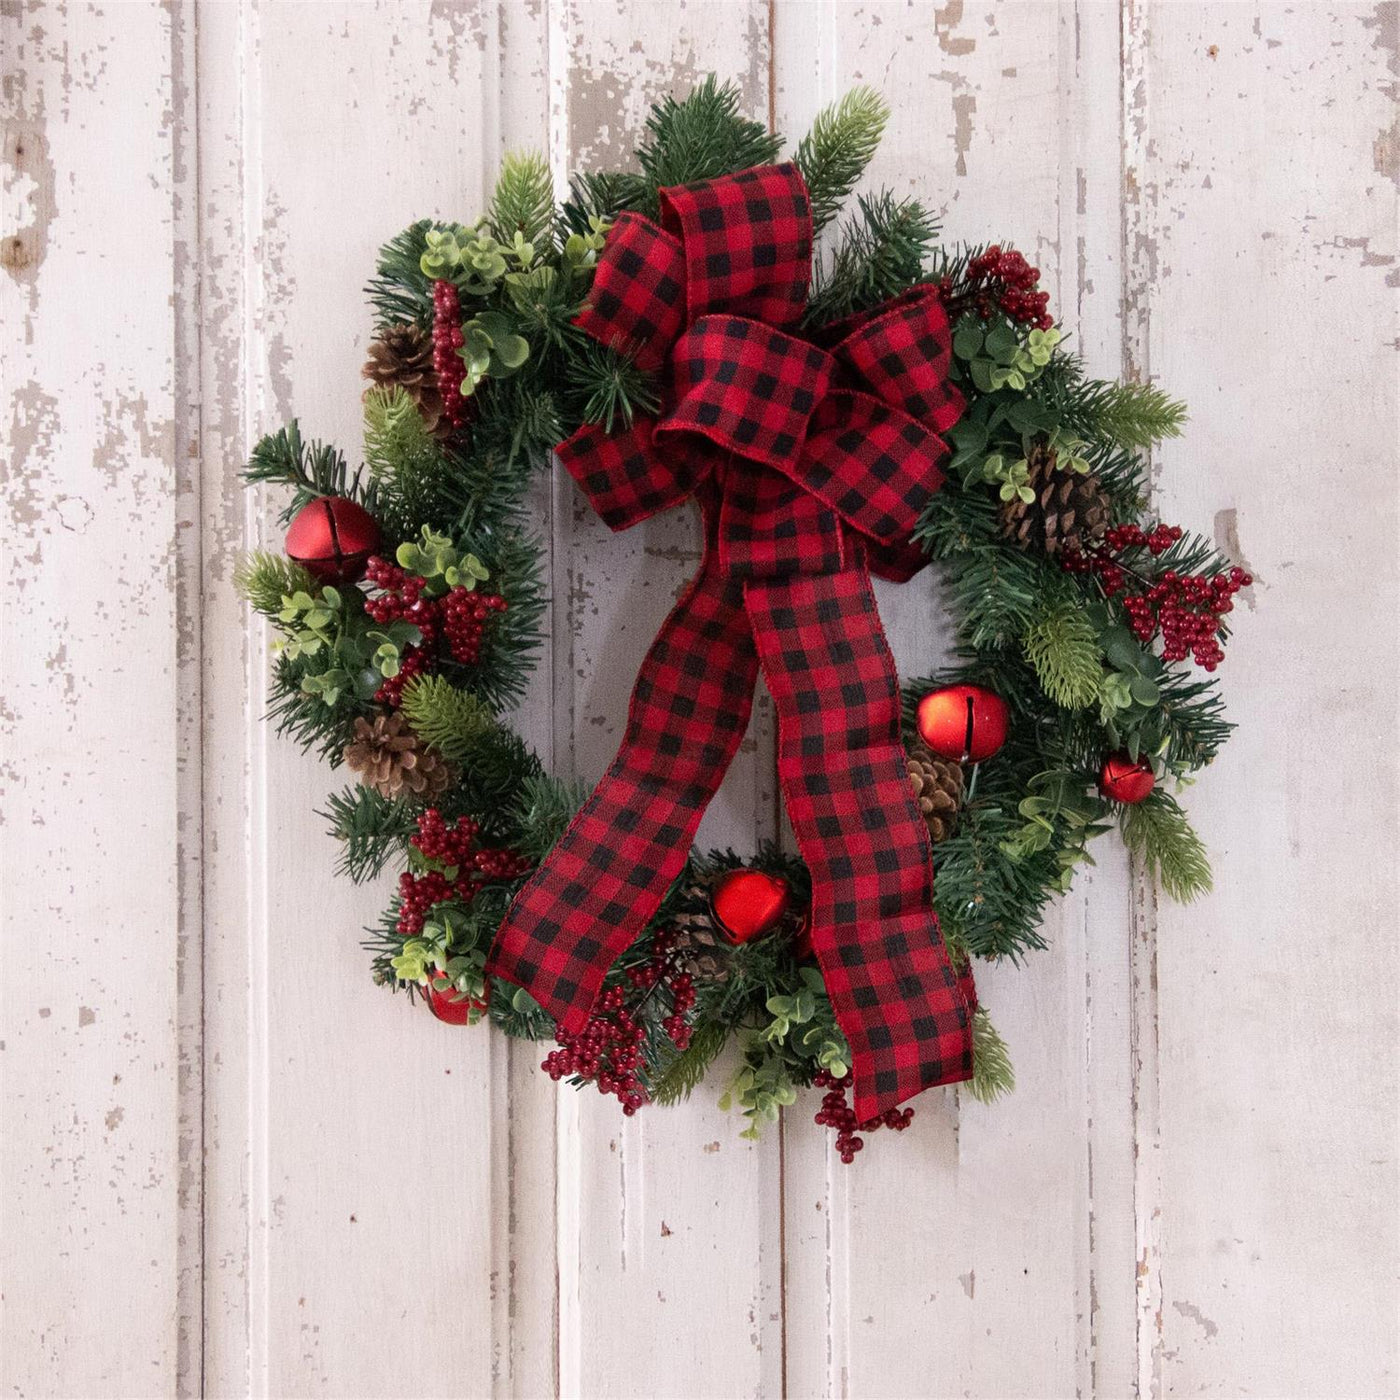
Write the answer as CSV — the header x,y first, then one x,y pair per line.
x,y
905,1012
604,880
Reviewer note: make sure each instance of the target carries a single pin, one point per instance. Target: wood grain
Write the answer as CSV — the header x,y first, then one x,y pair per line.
x,y
231,1166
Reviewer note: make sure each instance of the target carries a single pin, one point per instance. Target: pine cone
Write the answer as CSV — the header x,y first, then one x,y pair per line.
x,y
402,355
390,758
1070,510
699,949
938,789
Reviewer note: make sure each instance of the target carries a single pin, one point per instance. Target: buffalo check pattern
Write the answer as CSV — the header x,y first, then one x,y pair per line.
x,y
812,463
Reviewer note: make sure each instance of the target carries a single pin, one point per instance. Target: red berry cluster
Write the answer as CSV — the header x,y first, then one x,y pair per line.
x,y
459,618
837,1113
609,1048
464,615
1184,608
447,340
1002,280
455,849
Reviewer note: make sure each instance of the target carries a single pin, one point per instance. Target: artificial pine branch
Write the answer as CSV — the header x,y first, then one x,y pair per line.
x,y
371,828
263,579
698,138
1157,831
610,387
412,472
881,254
453,721
679,1077
833,155
601,194
523,201
1063,647
543,810
992,1072
399,291
1131,416
309,469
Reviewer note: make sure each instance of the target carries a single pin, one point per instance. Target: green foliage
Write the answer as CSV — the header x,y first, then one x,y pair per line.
x,y
414,474
543,810
264,580
400,290
761,1086
699,137
1157,831
452,721
833,155
1063,647
610,387
992,1074
1131,416
683,1073
436,558
371,828
309,469
523,201
881,253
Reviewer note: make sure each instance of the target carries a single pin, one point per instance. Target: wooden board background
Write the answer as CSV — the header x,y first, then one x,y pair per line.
x,y
230,1164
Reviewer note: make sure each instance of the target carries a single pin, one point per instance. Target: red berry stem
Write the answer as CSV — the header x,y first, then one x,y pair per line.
x,y
836,1113
447,340
1185,610
999,280
465,865
608,1051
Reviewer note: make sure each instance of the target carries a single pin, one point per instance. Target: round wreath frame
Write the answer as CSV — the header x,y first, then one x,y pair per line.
x,y
1078,629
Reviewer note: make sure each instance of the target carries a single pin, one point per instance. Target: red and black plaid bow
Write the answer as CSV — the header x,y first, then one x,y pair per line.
x,y
811,466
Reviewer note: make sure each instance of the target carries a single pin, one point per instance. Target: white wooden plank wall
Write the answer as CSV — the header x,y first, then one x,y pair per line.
x,y
230,1164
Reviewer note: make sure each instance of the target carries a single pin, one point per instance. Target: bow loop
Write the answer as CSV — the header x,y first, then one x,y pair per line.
x,y
903,351
748,243
746,387
637,304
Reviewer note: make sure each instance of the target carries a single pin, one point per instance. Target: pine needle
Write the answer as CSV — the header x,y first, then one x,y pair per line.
x,y
523,201
684,1074
1157,831
263,579
700,137
992,1072
833,155
1063,646
455,722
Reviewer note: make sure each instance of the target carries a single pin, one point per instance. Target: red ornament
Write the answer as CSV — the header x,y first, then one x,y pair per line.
x,y
451,1006
746,903
1126,779
333,537
965,723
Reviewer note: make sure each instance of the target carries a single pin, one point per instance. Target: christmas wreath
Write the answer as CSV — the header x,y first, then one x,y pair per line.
x,y
863,402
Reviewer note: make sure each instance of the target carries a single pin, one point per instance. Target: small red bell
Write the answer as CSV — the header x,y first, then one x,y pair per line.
x,y
965,723
1126,779
746,903
333,537
451,1006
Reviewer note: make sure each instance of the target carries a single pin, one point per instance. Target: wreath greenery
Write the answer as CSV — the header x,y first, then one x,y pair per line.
x,y
407,636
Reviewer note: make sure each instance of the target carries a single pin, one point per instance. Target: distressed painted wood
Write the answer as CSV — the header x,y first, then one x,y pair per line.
x,y
230,1165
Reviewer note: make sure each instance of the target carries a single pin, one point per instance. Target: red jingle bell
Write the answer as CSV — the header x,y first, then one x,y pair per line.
x,y
1126,779
333,537
451,1006
746,903
965,723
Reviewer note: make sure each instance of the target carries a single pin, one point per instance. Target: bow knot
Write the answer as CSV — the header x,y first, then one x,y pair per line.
x,y
714,297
